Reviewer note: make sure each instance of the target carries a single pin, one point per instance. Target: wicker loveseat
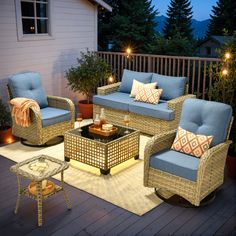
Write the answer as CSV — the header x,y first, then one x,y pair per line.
x,y
148,118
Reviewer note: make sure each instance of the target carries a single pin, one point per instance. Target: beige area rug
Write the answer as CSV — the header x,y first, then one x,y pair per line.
x,y
123,187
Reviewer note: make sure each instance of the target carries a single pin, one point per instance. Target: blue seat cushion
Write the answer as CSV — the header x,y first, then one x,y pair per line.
x,y
117,100
128,77
51,116
28,85
176,163
173,87
206,117
160,110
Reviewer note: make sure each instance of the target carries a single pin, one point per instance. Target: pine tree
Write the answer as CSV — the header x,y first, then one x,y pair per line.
x,y
179,16
133,24
223,17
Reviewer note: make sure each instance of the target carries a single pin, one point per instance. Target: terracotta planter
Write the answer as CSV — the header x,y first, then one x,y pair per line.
x,y
231,166
86,109
6,136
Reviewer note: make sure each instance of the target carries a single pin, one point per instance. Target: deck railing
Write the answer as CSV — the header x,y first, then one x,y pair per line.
x,y
197,69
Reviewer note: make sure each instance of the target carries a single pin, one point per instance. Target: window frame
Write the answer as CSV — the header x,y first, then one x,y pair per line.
x,y
29,37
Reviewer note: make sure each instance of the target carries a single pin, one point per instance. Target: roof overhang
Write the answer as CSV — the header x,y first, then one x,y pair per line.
x,y
102,4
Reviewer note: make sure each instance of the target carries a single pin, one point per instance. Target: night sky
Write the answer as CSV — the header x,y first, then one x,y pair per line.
x,y
201,8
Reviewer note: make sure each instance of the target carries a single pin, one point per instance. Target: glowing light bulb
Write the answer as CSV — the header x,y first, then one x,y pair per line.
x,y
227,55
225,72
128,50
110,79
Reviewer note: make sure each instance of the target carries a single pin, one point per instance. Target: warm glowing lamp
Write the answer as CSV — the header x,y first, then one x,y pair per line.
x,y
128,51
110,79
225,72
227,55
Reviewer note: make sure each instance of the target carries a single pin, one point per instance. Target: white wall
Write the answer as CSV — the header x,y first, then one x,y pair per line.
x,y
74,26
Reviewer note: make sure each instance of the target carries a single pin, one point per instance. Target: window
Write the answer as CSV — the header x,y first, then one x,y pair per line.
x,y
33,19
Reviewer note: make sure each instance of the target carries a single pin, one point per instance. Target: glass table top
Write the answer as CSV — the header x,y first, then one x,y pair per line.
x,y
121,132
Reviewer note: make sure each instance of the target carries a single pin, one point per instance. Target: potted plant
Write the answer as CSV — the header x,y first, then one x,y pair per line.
x,y
223,90
5,124
85,78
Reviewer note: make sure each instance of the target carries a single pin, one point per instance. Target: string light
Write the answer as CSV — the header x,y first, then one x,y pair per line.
x,y
128,51
227,55
225,72
110,79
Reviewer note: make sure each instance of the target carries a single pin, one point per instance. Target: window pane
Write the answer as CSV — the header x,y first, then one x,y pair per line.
x,y
28,26
27,9
42,26
41,10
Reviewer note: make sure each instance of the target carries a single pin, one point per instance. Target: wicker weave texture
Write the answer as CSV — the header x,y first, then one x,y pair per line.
x,y
101,155
209,177
146,124
38,135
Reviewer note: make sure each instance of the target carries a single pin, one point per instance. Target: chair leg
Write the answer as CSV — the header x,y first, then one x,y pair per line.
x,y
177,200
52,142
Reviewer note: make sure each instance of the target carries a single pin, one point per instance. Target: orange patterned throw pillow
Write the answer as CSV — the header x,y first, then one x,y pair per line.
x,y
190,143
148,95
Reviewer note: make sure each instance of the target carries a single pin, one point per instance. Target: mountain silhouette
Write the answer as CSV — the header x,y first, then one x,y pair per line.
x,y
199,27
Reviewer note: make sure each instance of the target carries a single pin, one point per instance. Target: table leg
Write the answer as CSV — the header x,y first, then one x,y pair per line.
x,y
64,191
39,202
18,194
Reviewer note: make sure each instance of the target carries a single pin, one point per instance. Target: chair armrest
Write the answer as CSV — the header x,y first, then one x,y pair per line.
x,y
60,102
108,88
35,116
176,103
212,158
158,143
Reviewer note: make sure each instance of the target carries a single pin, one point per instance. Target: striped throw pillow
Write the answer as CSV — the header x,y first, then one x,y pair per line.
x,y
148,95
190,143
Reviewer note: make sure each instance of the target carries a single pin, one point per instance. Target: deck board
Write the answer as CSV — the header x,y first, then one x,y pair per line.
x,y
93,216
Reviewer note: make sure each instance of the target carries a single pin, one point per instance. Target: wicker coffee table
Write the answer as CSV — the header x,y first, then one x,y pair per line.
x,y
38,169
100,151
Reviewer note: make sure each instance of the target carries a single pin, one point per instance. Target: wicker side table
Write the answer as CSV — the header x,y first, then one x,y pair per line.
x,y
37,169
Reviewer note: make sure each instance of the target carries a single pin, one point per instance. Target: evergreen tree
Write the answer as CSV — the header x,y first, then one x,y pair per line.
x,y
132,24
179,16
223,17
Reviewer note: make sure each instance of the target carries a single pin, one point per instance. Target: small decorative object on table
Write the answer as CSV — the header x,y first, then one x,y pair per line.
x,y
126,121
103,132
79,119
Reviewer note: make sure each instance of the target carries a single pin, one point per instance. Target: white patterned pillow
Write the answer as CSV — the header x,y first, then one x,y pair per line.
x,y
190,143
137,84
148,95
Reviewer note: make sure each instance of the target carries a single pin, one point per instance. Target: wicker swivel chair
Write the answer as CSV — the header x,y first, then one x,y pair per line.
x,y
192,178
56,114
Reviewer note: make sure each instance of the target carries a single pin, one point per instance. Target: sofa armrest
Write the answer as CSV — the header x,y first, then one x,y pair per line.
x,y
158,143
108,88
60,102
176,103
213,159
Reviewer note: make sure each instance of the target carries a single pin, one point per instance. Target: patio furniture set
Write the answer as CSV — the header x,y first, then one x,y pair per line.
x,y
188,161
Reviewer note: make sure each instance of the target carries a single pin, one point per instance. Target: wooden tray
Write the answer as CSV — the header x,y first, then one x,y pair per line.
x,y
47,190
101,132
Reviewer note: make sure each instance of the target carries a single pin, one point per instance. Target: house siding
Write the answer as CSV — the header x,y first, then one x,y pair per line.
x,y
74,28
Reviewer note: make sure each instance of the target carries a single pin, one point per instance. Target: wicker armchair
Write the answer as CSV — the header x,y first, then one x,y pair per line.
x,y
146,124
39,133
210,170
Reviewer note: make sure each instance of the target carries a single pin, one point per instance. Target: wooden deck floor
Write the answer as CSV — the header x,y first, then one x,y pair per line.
x,y
93,216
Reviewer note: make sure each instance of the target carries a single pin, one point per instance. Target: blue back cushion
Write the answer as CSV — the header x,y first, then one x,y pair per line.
x,y
28,85
173,87
206,117
129,76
